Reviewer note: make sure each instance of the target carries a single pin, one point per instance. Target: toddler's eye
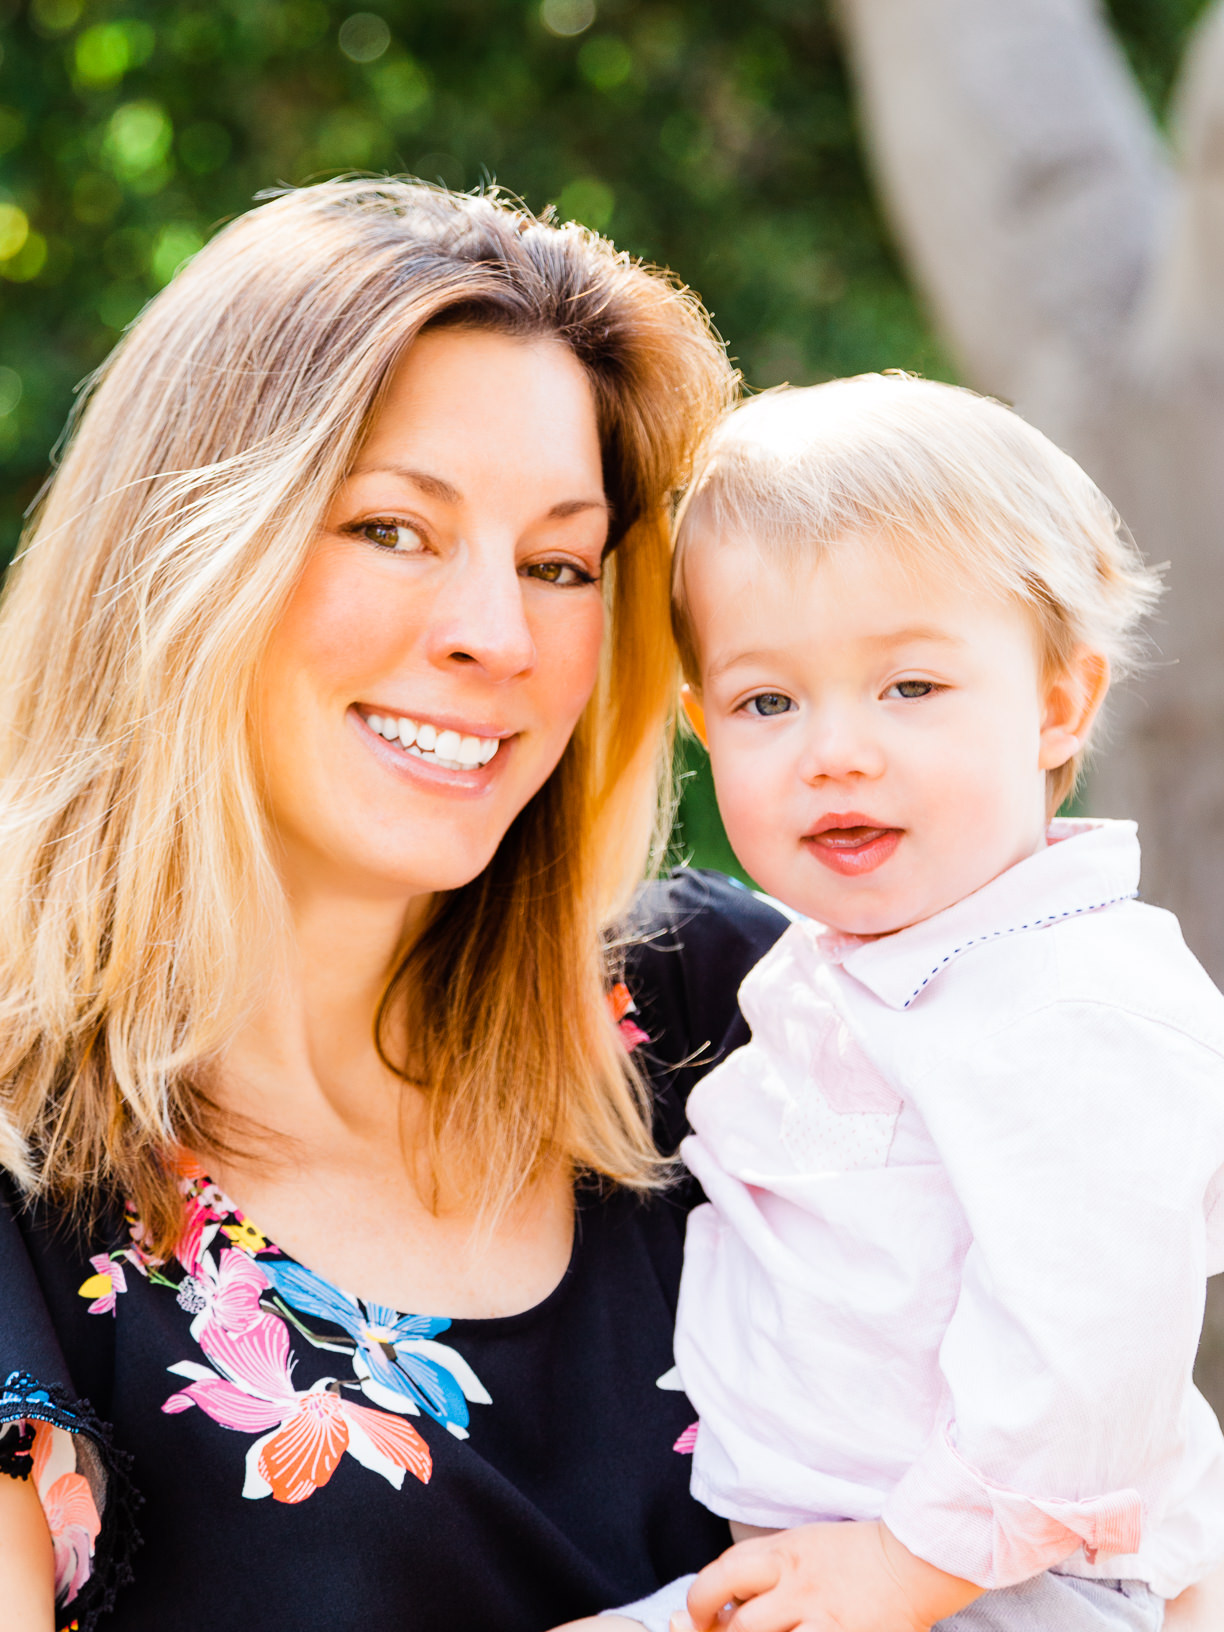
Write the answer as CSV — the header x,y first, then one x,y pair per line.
x,y
768,704
392,535
910,689
564,573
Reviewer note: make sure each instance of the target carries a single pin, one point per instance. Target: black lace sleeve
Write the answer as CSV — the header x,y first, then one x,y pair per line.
x,y
691,939
48,1433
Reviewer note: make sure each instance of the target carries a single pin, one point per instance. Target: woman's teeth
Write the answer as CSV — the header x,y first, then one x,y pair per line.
x,y
425,741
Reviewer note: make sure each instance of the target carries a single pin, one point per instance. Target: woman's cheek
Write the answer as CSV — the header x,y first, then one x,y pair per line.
x,y
572,665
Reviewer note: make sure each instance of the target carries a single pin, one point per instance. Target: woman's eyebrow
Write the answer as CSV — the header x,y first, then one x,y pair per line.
x,y
435,486
438,488
574,507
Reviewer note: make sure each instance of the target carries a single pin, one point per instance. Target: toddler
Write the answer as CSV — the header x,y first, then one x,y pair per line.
x,y
964,1181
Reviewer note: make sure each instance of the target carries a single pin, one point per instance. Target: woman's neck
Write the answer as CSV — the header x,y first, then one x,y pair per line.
x,y
331,1145
305,1063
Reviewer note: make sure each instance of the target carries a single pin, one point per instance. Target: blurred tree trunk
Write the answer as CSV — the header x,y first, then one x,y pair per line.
x,y
1076,267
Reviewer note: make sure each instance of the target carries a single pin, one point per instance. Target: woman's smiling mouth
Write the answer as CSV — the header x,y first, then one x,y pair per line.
x,y
446,748
852,844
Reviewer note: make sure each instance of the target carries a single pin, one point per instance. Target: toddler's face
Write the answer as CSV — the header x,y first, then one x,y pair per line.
x,y
879,746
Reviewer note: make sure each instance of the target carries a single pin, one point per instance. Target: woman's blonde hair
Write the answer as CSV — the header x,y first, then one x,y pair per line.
x,y
956,484
136,879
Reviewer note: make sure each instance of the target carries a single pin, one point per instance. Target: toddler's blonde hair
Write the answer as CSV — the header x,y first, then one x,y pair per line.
x,y
953,482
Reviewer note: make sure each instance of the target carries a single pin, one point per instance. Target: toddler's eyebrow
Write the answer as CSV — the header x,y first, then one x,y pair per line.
x,y
734,659
911,636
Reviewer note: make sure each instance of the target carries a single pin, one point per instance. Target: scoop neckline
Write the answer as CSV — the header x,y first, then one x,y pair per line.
x,y
453,1322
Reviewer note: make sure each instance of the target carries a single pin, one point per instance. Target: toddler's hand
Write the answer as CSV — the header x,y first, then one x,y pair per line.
x,y
852,1577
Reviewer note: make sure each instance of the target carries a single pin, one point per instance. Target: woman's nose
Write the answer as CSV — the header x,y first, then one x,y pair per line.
x,y
479,616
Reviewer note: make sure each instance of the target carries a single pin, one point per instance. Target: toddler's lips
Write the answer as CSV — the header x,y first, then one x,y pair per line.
x,y
853,851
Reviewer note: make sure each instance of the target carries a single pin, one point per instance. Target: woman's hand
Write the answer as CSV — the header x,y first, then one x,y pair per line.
x,y
27,1562
852,1577
1200,1608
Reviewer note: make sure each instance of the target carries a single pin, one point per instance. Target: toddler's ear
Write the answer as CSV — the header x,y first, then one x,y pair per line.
x,y
1073,700
694,711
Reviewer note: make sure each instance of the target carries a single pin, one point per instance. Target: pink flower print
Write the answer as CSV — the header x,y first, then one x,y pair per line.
x,y
199,1229
105,1285
687,1443
68,1504
227,1295
74,1524
252,1390
140,1253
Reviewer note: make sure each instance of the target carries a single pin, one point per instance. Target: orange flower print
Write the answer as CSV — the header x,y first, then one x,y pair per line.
x,y
620,1001
252,1389
67,1501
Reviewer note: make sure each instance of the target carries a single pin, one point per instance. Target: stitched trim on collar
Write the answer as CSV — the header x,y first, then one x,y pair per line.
x,y
1014,929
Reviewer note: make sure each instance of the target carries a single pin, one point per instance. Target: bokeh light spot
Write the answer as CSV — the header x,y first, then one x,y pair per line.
x,y
51,17
364,37
14,230
402,90
605,62
176,243
10,390
588,200
566,17
348,137
137,139
28,261
119,303
105,52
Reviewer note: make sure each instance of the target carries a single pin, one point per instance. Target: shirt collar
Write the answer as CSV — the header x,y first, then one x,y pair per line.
x,y
1085,865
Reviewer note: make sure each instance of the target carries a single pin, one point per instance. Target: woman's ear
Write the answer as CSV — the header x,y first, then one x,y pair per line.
x,y
694,711
1073,700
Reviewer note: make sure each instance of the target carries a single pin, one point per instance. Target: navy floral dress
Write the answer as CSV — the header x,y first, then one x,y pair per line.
x,y
224,1439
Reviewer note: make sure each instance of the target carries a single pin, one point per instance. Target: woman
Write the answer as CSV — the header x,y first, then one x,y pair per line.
x,y
334,681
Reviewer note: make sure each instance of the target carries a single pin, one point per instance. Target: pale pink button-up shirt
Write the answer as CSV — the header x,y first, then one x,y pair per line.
x,y
965,1188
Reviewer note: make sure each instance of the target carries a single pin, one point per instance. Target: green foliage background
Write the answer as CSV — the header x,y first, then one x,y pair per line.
x,y
714,136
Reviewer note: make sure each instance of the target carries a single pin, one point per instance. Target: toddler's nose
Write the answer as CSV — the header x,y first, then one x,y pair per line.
x,y
839,746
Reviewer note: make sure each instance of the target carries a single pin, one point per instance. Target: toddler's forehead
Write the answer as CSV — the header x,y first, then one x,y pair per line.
x,y
884,585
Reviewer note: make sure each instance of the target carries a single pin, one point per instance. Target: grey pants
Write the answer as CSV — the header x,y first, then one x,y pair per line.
x,y
1062,1603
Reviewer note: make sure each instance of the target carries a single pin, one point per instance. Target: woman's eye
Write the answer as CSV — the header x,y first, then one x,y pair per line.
x,y
392,535
768,704
910,689
564,573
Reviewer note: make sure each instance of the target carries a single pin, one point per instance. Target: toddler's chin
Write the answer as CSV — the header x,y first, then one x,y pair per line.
x,y
872,924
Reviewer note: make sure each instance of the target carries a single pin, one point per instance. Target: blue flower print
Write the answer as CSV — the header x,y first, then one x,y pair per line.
x,y
400,1365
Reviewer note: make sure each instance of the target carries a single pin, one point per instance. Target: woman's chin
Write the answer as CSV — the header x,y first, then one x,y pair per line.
x,y
430,865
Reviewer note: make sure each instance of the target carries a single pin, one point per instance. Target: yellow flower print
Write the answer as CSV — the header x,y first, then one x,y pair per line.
x,y
246,1236
104,1285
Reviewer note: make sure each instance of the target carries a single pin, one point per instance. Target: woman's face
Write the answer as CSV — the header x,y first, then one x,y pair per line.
x,y
444,637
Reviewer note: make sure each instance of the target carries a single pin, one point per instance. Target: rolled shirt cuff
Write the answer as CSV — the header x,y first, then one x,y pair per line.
x,y
655,1612
954,1517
